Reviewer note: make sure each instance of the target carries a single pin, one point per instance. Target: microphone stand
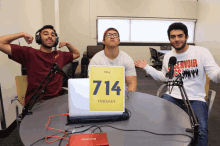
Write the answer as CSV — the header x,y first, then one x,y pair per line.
x,y
35,97
192,117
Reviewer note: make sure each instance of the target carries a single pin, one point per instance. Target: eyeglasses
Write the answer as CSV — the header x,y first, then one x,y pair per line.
x,y
108,35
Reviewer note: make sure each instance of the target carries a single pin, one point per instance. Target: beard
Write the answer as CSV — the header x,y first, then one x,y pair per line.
x,y
181,47
47,46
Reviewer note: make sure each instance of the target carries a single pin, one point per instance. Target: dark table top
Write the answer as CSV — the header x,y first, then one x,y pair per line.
x,y
149,113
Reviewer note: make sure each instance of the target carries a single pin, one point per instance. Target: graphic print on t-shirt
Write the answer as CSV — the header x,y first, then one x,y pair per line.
x,y
186,69
57,56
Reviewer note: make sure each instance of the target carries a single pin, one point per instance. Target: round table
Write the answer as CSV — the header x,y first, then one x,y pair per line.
x,y
149,113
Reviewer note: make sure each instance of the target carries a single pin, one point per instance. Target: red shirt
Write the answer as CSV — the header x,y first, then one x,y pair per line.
x,y
38,65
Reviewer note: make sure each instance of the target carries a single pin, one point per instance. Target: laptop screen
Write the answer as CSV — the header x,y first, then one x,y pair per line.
x,y
79,98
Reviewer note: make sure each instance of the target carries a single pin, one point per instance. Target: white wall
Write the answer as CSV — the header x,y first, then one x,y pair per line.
x,y
207,27
16,16
78,18
51,13
48,7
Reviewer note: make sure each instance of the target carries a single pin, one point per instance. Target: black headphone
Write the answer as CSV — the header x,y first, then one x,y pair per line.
x,y
38,37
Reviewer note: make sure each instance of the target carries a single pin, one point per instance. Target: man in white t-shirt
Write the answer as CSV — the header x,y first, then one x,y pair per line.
x,y
193,63
112,56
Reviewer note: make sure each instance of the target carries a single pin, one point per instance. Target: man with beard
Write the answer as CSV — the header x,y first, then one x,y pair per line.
x,y
112,56
189,58
39,62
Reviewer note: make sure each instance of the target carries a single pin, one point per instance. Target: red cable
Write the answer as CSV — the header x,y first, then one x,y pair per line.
x,y
58,137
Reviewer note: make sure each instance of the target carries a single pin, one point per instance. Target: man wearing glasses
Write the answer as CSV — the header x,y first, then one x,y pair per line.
x,y
112,56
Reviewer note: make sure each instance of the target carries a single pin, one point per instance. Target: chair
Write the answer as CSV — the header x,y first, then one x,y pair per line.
x,y
92,50
70,70
23,70
210,94
21,88
155,60
19,100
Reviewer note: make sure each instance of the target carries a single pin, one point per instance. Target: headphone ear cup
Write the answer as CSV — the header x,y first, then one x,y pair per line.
x,y
56,41
38,39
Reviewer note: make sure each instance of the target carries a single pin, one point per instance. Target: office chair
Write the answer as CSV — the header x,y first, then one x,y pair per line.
x,y
155,60
87,56
70,70
210,94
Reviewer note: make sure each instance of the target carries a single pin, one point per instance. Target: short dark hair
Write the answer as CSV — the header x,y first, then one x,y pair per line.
x,y
47,26
177,26
111,28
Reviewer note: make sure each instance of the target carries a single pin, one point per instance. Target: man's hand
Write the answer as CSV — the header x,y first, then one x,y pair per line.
x,y
140,64
63,43
28,38
71,48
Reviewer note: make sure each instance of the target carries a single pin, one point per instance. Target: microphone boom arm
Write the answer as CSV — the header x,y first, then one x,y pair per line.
x,y
35,97
192,117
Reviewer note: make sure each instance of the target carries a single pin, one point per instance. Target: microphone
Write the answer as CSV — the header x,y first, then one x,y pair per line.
x,y
172,62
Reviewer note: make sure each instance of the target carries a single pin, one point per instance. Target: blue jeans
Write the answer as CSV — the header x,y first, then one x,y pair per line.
x,y
200,109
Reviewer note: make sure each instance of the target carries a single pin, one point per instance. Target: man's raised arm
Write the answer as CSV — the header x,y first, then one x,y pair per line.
x,y
71,48
7,39
157,75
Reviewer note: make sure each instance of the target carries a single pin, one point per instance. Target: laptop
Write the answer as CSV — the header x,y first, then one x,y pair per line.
x,y
78,102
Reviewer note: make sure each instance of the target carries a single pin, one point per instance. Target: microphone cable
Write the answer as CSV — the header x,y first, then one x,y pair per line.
x,y
129,130
67,133
99,127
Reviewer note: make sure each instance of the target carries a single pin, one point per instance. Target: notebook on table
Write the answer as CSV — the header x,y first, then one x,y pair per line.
x,y
78,102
